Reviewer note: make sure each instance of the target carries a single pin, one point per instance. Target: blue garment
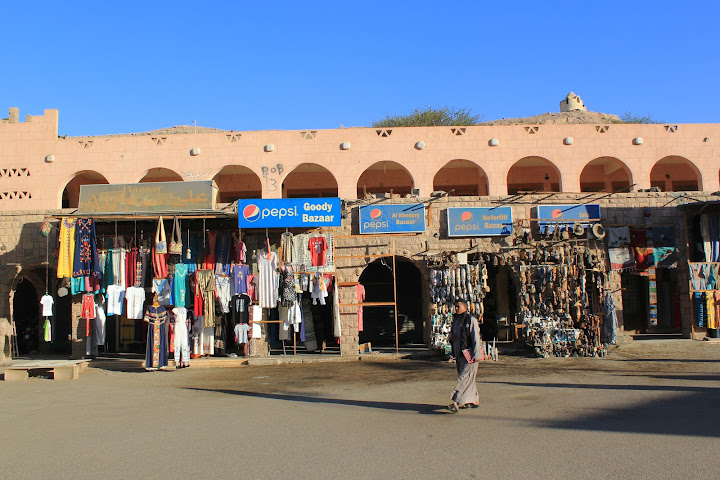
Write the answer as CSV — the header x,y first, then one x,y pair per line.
x,y
77,285
714,228
222,253
156,351
86,261
699,303
240,275
180,285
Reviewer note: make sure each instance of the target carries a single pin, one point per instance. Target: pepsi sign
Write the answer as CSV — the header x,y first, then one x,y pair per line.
x,y
566,215
399,218
479,222
289,212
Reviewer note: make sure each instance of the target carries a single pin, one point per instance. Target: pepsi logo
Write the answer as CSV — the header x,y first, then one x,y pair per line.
x,y
376,214
557,213
251,213
466,216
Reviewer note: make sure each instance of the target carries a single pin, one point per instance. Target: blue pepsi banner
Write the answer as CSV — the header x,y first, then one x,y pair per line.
x,y
479,222
289,212
583,214
404,218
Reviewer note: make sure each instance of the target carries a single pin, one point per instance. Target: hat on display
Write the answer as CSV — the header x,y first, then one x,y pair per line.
x,y
599,231
578,229
565,234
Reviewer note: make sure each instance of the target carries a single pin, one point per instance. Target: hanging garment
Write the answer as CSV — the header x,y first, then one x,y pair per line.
x,y
222,293
710,309
287,286
222,253
131,255
286,243
47,330
317,247
252,281
135,298
180,285
241,333
156,352
47,305
699,310
256,315
337,328
180,337
309,326
66,253
100,320
360,295
209,263
115,299
240,251
319,292
160,265
267,280
714,231
240,304
205,289
87,309
161,287
610,320
86,255
705,233
643,254
240,278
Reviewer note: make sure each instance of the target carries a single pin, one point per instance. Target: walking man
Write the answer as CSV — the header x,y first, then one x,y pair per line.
x,y
467,350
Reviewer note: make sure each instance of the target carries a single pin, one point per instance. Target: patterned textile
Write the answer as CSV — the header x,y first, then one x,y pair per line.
x,y
156,354
66,255
86,255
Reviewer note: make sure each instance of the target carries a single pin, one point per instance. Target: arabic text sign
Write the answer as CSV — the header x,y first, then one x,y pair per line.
x,y
398,218
555,214
289,212
479,222
147,197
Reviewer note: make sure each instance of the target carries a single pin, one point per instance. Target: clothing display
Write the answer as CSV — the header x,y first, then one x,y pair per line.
x,y
205,291
161,287
66,252
360,296
156,353
222,292
115,297
241,333
240,304
135,298
240,275
179,294
86,261
317,247
267,279
286,243
180,337
47,302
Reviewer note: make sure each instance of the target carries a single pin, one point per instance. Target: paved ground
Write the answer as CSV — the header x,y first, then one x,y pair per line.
x,y
650,410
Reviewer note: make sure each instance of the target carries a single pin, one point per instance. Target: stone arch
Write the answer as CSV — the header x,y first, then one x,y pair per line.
x,y
71,193
309,180
160,174
383,177
675,174
237,181
605,174
463,177
533,173
379,321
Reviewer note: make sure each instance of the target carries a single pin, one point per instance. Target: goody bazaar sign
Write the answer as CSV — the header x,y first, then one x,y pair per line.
x,y
399,218
289,212
479,222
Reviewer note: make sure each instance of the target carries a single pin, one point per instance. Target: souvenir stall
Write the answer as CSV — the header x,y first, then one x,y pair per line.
x,y
703,226
556,286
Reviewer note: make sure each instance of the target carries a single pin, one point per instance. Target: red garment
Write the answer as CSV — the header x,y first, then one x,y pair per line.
x,y
643,254
198,303
130,266
87,311
251,287
317,247
360,292
160,264
209,263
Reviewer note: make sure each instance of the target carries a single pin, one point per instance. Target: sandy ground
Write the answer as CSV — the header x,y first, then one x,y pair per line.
x,y
649,410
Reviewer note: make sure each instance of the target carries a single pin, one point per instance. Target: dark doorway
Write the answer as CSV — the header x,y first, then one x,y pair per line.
x,y
635,302
379,322
26,313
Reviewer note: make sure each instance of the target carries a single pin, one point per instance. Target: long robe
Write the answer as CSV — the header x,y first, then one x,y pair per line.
x,y
465,390
156,353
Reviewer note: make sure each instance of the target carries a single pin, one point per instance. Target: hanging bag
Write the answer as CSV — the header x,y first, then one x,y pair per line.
x,y
176,246
160,240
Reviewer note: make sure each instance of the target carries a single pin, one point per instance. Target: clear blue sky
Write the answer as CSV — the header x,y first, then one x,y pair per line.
x,y
114,67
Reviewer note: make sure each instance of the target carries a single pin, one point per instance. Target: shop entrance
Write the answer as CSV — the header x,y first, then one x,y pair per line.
x,y
379,321
26,313
636,302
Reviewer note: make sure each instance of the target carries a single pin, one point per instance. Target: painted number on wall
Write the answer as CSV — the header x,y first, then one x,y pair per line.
x,y
269,173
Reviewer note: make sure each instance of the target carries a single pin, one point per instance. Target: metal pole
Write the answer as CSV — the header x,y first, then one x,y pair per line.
x,y
397,344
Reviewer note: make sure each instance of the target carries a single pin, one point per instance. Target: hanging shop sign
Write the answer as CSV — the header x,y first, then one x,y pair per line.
x,y
399,218
147,197
479,222
555,214
289,212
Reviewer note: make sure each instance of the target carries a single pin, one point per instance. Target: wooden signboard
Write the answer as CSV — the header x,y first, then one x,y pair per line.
x,y
147,197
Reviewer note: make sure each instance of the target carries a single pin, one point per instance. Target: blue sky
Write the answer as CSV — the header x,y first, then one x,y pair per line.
x,y
114,67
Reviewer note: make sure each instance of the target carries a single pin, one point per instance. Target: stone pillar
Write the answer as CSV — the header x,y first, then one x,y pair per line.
x,y
14,115
5,341
349,336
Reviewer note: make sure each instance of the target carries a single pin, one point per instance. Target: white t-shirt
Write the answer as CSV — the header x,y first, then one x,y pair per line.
x,y
47,302
115,298
135,297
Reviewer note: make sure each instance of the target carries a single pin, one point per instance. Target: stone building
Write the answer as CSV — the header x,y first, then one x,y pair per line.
x,y
638,174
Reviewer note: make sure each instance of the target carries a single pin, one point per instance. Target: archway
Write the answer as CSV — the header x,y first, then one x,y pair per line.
x,y
161,175
309,180
675,174
605,174
379,322
236,181
531,174
462,177
383,177
71,193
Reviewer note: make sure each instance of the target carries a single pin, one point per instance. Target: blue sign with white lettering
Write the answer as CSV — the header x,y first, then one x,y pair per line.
x,y
399,218
479,222
583,214
289,212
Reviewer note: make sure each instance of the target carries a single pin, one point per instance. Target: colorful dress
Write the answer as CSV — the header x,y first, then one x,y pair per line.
x,y
156,353
66,254
86,263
